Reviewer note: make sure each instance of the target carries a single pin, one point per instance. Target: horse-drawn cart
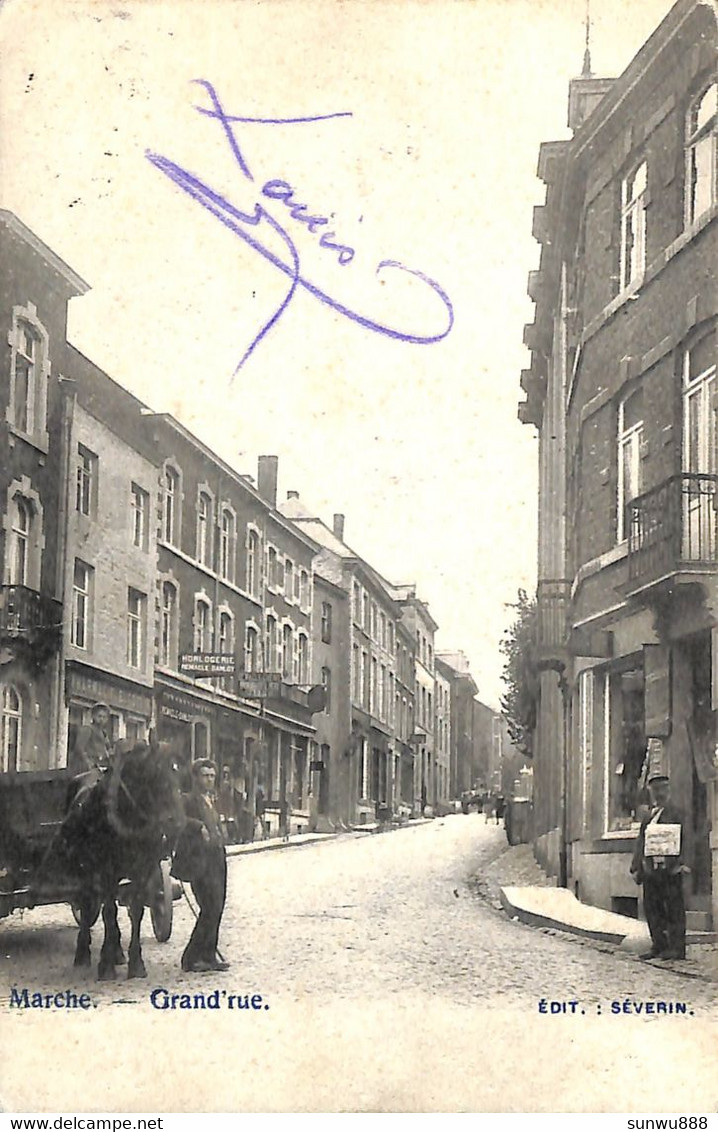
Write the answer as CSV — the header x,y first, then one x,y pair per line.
x,y
33,870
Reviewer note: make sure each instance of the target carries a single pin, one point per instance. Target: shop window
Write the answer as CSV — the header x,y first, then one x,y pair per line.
x,y
627,748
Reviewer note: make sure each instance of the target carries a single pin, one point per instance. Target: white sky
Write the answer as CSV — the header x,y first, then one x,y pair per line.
x,y
419,445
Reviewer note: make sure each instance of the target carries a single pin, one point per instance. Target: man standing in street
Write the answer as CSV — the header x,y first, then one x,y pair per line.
x,y
202,845
661,873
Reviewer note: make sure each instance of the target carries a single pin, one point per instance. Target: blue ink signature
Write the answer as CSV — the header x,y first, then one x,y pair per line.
x,y
242,224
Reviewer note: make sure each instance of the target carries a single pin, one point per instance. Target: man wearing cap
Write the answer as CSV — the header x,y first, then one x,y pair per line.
x,y
202,844
662,877
92,749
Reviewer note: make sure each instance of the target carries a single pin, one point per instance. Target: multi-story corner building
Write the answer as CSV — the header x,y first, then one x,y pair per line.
x,y
35,288
108,513
420,623
463,771
622,390
370,744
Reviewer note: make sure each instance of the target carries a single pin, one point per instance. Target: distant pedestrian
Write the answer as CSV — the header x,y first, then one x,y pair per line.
x,y
488,807
661,875
500,808
260,806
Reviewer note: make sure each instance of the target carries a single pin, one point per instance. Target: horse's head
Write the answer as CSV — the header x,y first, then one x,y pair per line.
x,y
144,791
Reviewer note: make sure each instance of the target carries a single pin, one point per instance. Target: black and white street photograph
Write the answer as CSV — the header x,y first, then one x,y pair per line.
x,y
359,558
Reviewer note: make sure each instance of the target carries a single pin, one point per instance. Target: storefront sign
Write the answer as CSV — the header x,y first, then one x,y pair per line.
x,y
207,663
97,690
258,687
183,707
657,704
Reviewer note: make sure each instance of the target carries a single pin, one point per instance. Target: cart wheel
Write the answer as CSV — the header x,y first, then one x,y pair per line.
x,y
160,902
94,911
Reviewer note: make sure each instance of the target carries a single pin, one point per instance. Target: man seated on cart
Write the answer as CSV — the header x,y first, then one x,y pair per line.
x,y
90,756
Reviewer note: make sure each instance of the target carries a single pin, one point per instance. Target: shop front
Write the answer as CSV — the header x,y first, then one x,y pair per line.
x,y
130,704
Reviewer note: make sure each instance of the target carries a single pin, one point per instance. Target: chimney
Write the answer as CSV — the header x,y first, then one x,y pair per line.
x,y
338,527
292,495
267,479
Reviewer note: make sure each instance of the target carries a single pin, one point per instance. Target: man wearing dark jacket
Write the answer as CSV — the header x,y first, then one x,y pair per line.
x,y
203,844
662,876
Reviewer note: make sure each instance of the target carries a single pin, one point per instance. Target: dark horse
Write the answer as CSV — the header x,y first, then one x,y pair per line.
x,y
120,832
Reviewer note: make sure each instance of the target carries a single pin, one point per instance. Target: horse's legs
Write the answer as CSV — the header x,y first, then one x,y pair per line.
x,y
114,937
84,936
106,966
136,968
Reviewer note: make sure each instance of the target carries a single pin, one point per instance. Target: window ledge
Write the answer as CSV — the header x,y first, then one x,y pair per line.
x,y
632,291
40,441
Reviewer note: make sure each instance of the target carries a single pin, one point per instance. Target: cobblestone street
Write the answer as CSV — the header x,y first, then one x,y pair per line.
x,y
391,985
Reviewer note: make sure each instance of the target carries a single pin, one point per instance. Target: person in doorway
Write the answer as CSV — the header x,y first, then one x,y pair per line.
x,y
202,849
662,876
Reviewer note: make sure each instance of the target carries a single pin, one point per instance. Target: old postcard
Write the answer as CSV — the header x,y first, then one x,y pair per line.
x,y
358,611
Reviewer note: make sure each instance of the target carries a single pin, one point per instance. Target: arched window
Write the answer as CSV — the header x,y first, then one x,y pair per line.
x,y
20,534
303,673
27,411
287,657
202,625
252,563
251,649
701,153
168,625
171,503
204,529
227,545
270,662
11,727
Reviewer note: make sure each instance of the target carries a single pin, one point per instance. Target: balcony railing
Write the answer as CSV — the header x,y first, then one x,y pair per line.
x,y
673,528
30,621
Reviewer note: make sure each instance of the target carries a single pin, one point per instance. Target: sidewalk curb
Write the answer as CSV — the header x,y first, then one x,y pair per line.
x,y
541,920
249,848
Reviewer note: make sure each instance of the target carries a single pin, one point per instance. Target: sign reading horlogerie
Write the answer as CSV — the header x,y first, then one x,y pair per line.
x,y
207,664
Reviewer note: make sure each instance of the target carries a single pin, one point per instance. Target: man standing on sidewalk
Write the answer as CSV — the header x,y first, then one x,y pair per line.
x,y
661,874
204,863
